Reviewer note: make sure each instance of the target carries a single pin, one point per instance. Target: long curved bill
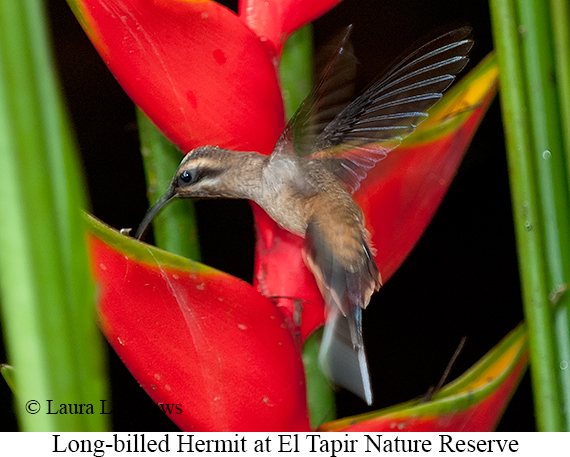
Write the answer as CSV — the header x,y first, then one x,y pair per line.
x,y
153,211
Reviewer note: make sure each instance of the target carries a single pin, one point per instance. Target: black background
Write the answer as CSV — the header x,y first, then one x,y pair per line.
x,y
460,280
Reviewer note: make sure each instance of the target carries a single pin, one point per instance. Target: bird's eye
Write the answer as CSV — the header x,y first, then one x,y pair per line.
x,y
186,177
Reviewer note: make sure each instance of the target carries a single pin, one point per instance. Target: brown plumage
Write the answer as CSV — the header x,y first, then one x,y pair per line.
x,y
306,184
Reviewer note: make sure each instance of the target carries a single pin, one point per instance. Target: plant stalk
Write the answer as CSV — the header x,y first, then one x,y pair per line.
x,y
541,208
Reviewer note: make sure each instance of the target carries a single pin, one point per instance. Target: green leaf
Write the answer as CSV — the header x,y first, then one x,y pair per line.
x,y
47,302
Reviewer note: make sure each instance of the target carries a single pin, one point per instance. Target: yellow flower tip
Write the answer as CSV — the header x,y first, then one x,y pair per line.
x,y
467,95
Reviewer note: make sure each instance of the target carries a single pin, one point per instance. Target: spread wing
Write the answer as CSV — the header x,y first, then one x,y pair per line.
x,y
333,92
388,111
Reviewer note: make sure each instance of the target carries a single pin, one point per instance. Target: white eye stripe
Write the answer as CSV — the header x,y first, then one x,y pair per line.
x,y
209,181
202,162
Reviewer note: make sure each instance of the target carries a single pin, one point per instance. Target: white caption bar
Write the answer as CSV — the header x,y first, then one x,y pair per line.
x,y
285,444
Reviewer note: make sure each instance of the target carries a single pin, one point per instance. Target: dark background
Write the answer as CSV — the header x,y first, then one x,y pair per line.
x,y
460,280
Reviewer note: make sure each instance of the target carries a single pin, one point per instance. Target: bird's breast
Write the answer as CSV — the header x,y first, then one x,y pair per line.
x,y
287,195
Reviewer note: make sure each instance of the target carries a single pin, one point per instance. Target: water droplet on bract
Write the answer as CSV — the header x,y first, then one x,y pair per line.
x,y
527,225
546,154
564,365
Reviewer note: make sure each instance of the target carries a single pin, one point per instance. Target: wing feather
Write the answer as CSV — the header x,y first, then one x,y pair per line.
x,y
376,122
334,91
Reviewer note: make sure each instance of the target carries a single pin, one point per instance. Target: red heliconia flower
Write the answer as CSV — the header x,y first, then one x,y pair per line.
x,y
274,21
199,338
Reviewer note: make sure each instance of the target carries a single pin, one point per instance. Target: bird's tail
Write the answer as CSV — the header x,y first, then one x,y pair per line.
x,y
342,353
346,288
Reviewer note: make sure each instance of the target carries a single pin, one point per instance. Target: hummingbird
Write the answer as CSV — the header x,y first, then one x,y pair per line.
x,y
318,162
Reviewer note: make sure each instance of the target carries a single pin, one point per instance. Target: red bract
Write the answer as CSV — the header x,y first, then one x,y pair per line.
x,y
198,338
273,21
193,67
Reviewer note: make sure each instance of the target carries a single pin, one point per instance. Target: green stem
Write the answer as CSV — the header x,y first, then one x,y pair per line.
x,y
48,311
560,17
296,69
549,155
539,197
296,74
320,396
